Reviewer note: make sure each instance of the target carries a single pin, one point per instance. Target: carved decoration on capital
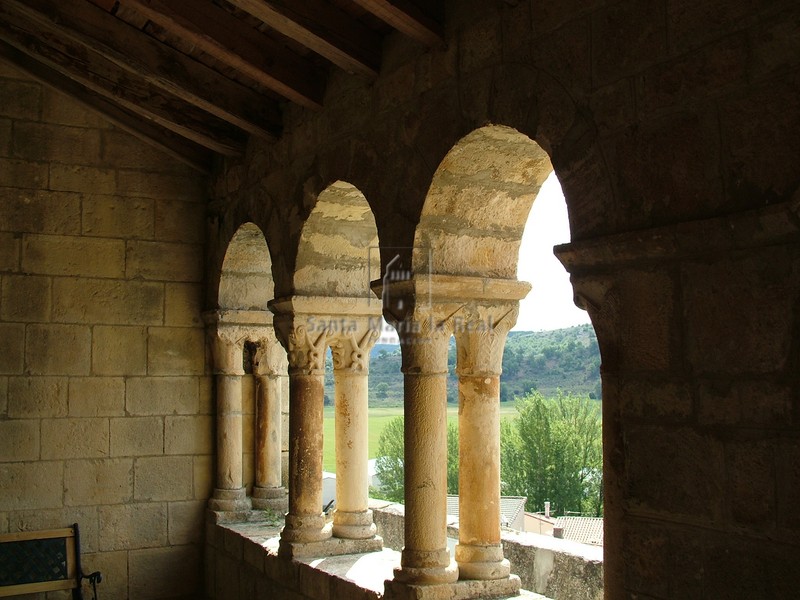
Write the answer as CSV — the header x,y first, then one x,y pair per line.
x,y
305,345
227,347
424,338
480,332
351,347
270,357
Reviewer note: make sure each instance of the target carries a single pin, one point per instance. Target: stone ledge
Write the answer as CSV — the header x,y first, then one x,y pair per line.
x,y
460,590
253,548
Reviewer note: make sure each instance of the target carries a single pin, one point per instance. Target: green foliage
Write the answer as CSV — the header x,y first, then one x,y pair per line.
x,y
389,464
553,452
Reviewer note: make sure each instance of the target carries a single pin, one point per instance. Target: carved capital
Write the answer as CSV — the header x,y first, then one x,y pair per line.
x,y
227,346
305,345
270,357
480,331
424,338
351,347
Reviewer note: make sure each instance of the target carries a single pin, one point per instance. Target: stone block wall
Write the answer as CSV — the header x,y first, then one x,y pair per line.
x,y
105,399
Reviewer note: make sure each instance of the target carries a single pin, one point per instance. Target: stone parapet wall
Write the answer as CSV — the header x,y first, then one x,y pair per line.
x,y
558,569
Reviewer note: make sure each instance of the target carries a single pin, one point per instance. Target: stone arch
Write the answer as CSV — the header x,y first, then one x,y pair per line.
x,y
246,275
337,253
478,203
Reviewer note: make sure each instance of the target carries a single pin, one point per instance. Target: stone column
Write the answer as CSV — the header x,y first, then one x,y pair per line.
x,y
480,338
227,346
350,348
305,521
269,363
425,559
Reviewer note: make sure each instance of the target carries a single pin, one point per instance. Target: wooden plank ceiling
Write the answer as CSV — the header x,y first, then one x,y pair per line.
x,y
197,77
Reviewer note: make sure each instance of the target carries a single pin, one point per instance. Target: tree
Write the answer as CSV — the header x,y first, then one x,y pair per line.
x,y
553,452
381,390
389,464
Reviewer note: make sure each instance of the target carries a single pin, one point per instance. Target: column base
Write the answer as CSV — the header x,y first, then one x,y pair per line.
x,y
329,547
419,567
305,528
481,562
229,500
270,498
460,590
353,525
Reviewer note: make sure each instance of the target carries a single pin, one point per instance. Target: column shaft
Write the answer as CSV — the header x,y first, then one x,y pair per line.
x,y
425,558
305,521
229,432
268,431
352,518
480,343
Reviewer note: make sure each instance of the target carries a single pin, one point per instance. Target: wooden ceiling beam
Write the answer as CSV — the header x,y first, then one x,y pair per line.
x,y
407,18
229,40
323,28
184,150
99,75
156,63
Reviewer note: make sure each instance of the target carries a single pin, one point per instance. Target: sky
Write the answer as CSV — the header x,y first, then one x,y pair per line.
x,y
549,304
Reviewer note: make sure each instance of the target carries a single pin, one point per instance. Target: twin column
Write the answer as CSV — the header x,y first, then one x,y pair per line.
x,y
307,337
228,340
480,326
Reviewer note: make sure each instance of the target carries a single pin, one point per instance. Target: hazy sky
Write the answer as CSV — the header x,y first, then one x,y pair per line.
x,y
549,304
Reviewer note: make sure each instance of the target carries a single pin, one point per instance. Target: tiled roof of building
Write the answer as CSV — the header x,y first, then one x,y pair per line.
x,y
511,507
586,530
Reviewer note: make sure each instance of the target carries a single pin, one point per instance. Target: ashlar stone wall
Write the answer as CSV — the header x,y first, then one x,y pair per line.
x,y
105,400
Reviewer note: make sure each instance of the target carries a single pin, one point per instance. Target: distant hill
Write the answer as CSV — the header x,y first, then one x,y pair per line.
x,y
566,359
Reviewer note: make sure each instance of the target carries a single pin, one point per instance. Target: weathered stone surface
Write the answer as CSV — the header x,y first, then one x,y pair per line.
x,y
70,255
186,522
164,572
188,435
161,395
33,485
20,99
90,482
12,348
96,396
75,438
58,349
133,526
161,261
40,211
137,436
119,350
25,299
37,397
163,478
19,440
42,141
116,216
91,180
107,301
22,174
175,351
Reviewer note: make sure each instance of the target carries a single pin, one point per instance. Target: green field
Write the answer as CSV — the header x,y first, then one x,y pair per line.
x,y
378,418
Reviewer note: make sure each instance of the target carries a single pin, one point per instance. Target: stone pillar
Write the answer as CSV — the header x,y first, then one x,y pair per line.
x,y
480,338
305,521
229,492
269,364
350,348
425,559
